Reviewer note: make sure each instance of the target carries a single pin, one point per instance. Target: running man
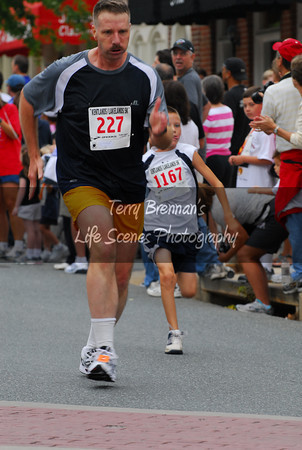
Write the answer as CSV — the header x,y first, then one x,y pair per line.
x,y
105,98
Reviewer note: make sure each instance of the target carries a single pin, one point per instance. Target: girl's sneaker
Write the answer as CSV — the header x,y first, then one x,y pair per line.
x,y
174,343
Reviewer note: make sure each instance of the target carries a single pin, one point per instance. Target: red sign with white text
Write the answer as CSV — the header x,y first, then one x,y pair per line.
x,y
44,19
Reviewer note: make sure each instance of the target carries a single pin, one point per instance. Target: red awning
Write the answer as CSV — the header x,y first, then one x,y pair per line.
x,y
44,19
10,46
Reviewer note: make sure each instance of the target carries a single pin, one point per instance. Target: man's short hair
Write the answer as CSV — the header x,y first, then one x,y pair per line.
x,y
21,62
113,6
296,69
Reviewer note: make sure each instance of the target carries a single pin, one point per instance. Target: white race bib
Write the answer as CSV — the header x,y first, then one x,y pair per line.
x,y
168,180
109,127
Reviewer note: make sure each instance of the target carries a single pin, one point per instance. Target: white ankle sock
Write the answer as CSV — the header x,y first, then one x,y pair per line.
x,y
101,333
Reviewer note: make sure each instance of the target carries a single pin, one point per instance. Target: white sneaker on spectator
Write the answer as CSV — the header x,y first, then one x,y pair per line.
x,y
276,278
45,255
14,253
60,266
154,289
77,267
215,271
59,252
177,293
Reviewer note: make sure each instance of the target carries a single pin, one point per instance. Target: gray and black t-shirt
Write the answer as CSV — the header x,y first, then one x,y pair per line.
x,y
101,120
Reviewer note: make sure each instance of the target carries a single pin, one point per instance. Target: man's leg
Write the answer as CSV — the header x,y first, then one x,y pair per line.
x,y
102,290
98,358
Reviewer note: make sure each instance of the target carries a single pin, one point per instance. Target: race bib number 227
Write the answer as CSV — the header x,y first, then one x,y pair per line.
x,y
109,127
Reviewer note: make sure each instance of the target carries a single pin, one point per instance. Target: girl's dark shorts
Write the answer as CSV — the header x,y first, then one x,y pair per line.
x,y
182,248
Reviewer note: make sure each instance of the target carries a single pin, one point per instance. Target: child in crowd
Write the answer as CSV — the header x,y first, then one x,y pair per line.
x,y
30,211
53,250
218,129
255,157
171,227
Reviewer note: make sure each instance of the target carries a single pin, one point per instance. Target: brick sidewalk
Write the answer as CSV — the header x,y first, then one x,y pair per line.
x,y
24,425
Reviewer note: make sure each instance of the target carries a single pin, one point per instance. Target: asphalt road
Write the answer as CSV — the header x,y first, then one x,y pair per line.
x,y
233,362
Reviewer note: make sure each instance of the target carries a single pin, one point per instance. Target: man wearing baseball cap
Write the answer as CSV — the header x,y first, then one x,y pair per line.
x,y
15,84
281,103
183,57
233,73
281,100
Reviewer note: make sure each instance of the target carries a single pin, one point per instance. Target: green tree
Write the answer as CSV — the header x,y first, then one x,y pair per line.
x,y
18,21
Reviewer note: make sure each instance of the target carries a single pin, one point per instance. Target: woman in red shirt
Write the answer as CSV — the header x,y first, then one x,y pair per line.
x,y
10,167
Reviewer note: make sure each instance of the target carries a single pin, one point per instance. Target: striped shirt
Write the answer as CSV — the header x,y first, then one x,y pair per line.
x,y
218,128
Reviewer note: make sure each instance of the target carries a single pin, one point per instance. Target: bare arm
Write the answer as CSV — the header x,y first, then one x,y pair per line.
x,y
8,130
260,190
266,124
237,160
29,125
233,225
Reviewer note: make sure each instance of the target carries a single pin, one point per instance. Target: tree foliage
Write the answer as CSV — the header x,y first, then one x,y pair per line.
x,y
18,21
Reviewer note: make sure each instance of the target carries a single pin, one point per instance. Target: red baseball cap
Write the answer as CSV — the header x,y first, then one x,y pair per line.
x,y
288,49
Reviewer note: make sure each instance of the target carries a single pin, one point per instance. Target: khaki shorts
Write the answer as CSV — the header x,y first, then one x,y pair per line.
x,y
30,212
128,219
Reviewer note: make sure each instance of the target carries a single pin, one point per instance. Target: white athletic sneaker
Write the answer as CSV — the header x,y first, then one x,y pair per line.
x,y
174,343
59,252
177,293
257,307
60,266
98,363
77,267
216,271
45,255
14,253
154,290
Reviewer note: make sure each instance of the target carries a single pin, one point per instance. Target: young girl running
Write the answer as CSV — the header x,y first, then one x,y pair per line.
x,y
171,236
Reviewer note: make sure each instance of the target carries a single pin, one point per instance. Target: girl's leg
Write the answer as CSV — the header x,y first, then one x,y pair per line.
x,y
167,283
187,283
